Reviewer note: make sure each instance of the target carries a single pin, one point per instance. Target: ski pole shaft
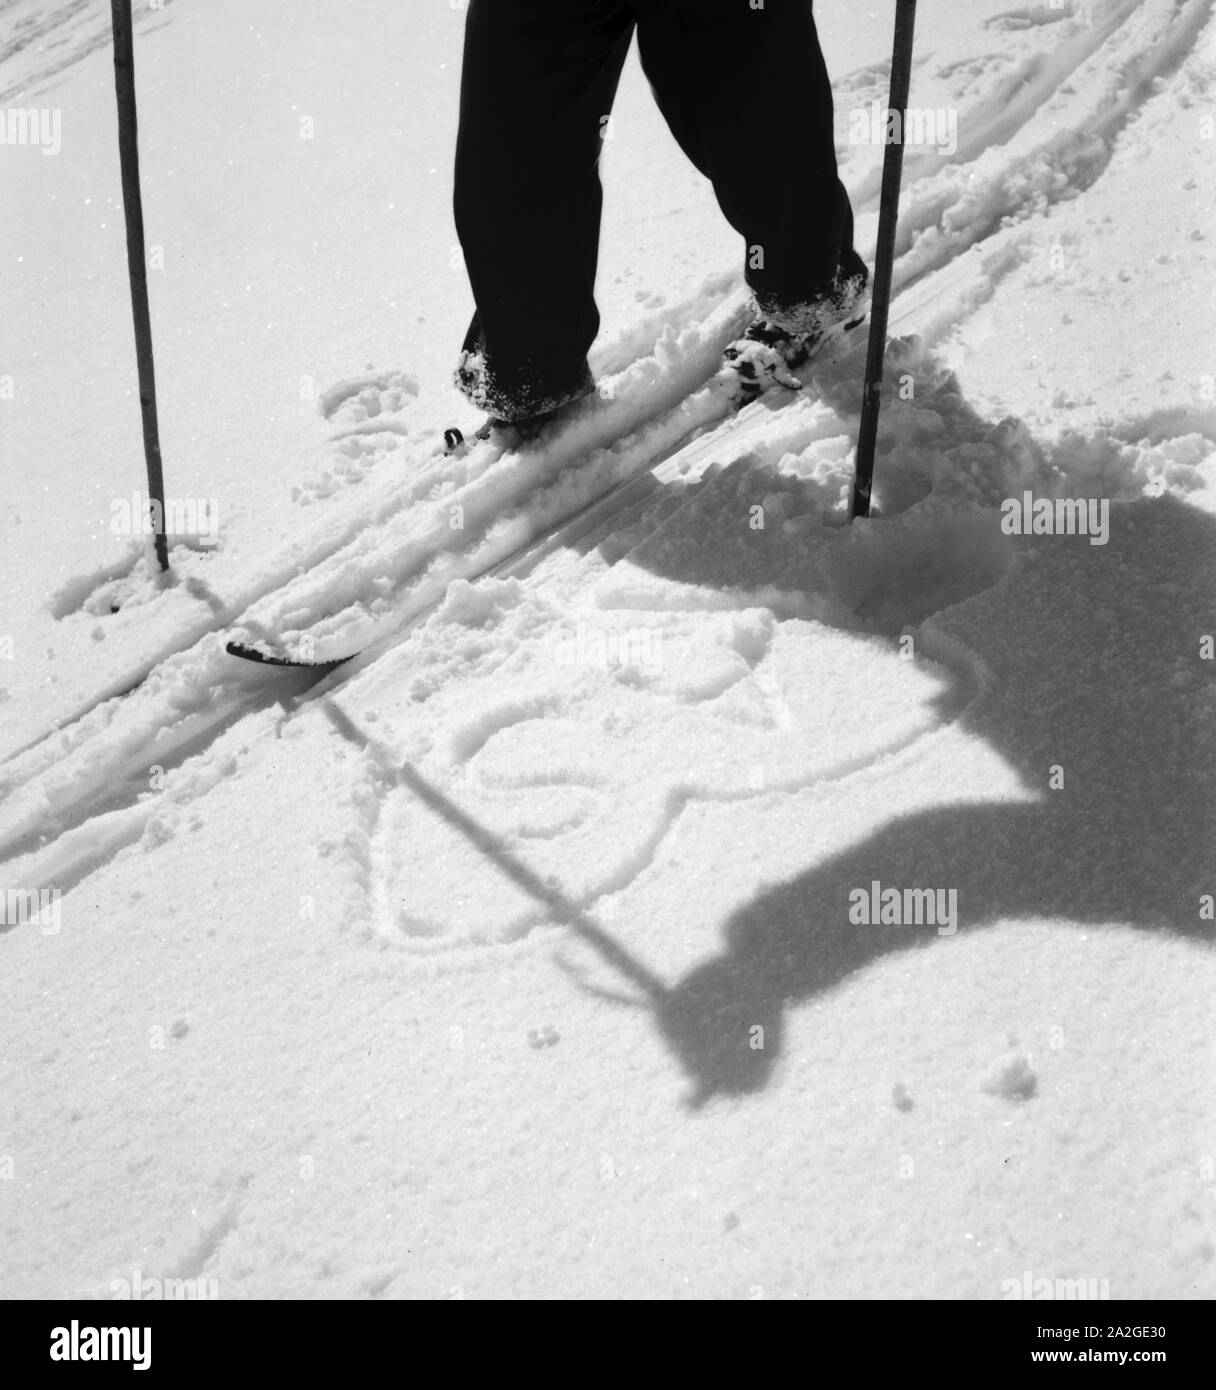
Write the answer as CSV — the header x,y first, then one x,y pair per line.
x,y
137,269
884,260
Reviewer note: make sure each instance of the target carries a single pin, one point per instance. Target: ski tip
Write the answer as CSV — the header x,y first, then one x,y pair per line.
x,y
264,656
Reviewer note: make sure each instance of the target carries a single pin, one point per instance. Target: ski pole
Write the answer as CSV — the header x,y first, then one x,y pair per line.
x,y
888,213
137,270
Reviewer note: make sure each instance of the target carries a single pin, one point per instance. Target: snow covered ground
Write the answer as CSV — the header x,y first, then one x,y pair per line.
x,y
529,954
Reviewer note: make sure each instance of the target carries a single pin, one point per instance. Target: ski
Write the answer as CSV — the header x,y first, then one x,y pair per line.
x,y
198,689
247,652
682,440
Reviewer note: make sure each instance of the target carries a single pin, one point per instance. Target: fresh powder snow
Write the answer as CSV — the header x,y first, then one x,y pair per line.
x,y
722,901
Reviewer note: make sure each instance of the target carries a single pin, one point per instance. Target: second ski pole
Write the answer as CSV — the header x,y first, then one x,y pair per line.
x,y
884,260
128,149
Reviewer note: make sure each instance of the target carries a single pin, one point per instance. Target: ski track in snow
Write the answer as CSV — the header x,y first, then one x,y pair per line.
x,y
1046,132
384,805
984,199
789,760
46,41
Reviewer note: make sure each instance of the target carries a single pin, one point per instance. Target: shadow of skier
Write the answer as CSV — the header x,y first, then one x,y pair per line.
x,y
1093,667
1093,655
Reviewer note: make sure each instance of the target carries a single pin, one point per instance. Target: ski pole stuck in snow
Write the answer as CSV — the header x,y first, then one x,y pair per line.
x,y
888,213
128,149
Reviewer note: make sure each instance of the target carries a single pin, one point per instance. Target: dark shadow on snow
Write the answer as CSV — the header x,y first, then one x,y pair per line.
x,y
1093,665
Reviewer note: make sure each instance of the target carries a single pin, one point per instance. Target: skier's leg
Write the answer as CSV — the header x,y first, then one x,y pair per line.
x,y
746,93
538,81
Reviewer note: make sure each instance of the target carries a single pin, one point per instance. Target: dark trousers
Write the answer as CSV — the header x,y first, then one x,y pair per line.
x,y
746,94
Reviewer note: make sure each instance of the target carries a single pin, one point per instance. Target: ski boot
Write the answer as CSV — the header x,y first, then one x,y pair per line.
x,y
511,422
771,349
